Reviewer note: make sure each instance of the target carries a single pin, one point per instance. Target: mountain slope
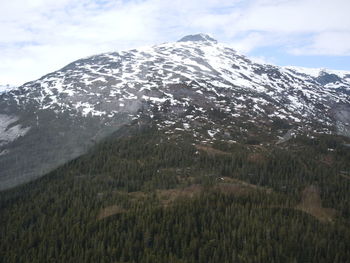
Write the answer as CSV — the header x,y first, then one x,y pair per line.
x,y
140,196
195,86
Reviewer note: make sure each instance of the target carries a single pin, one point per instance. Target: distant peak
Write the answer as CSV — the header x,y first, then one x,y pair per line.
x,y
197,38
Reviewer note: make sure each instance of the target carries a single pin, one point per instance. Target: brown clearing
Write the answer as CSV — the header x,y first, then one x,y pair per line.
x,y
167,197
236,189
240,183
256,146
109,211
226,185
211,150
311,203
256,158
345,176
328,160
137,195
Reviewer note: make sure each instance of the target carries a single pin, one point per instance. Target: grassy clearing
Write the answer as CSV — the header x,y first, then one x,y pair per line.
x,y
109,211
311,203
211,150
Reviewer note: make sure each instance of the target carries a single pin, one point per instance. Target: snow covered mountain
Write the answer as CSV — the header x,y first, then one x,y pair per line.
x,y
5,88
195,86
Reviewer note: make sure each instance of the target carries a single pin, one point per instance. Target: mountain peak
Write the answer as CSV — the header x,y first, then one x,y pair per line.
x,y
198,37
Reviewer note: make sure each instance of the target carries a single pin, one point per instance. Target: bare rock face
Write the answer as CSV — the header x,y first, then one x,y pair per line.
x,y
195,86
198,37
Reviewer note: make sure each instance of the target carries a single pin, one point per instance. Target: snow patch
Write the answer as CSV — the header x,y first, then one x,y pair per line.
x,y
9,134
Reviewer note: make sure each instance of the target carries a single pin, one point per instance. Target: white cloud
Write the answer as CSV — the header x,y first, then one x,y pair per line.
x,y
326,43
250,41
43,36
296,16
263,60
38,36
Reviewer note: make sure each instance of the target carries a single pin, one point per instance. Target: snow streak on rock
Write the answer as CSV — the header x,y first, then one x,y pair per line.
x,y
195,71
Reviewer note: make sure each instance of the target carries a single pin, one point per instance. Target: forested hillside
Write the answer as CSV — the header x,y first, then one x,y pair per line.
x,y
141,196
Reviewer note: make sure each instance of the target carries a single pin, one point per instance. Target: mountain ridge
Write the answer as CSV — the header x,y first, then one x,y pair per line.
x,y
201,88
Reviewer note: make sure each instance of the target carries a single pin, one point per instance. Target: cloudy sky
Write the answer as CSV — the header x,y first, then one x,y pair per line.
x,y
40,36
